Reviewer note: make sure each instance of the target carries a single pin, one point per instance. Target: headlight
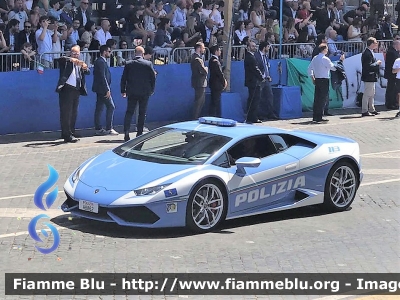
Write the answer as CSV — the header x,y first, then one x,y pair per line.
x,y
76,175
151,190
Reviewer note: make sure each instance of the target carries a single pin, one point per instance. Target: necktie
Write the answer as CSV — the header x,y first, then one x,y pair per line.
x,y
265,59
78,79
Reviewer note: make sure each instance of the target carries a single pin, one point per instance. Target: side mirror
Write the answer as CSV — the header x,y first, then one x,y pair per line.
x,y
246,162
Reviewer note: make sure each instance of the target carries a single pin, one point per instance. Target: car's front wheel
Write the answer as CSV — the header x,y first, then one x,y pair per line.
x,y
340,187
206,207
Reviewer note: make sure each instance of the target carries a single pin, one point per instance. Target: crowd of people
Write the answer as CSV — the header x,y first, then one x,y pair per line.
x,y
35,28
41,28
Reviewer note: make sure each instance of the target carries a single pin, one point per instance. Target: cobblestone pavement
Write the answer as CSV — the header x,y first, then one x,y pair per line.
x,y
363,239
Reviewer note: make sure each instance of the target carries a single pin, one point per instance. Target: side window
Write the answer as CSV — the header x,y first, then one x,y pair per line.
x,y
259,146
279,142
222,161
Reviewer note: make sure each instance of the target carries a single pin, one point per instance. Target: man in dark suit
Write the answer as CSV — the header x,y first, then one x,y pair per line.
x,y
217,82
138,82
83,13
70,86
391,94
267,97
369,74
199,78
26,36
207,31
102,87
325,17
11,35
253,78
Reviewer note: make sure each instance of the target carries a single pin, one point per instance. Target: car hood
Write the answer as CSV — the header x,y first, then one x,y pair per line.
x,y
116,173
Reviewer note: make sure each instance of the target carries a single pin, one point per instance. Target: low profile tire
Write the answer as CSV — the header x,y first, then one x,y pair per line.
x,y
340,187
206,207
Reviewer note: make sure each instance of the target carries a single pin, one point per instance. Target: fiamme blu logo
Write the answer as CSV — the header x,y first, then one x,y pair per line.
x,y
49,201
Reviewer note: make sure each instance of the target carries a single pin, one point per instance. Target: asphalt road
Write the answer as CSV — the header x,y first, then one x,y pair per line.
x,y
364,239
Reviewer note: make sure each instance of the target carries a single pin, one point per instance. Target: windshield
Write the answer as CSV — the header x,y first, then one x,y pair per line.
x,y
173,146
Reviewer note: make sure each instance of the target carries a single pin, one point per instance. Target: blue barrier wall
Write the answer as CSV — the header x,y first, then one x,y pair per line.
x,y
29,102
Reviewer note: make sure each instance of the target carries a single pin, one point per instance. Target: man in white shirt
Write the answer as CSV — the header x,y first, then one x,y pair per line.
x,y
319,71
332,48
396,70
179,19
70,86
103,34
73,34
45,37
216,14
19,14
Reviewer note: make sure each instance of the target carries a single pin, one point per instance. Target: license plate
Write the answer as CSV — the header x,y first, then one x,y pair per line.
x,y
89,206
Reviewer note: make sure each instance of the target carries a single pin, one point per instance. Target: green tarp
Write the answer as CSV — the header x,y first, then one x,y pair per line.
x,y
298,76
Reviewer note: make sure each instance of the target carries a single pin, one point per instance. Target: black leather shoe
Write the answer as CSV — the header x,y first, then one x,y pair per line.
x,y
71,139
374,113
126,137
367,114
77,135
257,121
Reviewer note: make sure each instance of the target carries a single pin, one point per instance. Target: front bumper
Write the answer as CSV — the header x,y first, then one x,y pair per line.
x,y
152,215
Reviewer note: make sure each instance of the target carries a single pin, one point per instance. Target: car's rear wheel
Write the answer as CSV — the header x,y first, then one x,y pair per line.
x,y
207,206
341,186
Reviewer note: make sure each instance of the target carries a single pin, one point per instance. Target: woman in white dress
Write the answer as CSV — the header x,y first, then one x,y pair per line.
x,y
354,31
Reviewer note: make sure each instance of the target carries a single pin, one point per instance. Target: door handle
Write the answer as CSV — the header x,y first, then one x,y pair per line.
x,y
290,167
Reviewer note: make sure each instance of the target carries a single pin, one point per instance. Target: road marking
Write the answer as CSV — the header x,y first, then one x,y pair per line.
x,y
380,182
86,146
379,153
335,297
6,235
23,196
29,212
381,171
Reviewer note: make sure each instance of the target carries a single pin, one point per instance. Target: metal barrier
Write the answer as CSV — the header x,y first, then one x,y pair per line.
x,y
17,62
182,55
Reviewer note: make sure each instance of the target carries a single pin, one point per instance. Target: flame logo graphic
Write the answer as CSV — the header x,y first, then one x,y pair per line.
x,y
35,236
52,196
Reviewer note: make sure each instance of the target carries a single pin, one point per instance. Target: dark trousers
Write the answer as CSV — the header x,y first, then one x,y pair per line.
x,y
130,110
68,101
199,99
215,104
252,103
100,103
326,106
391,94
321,97
267,99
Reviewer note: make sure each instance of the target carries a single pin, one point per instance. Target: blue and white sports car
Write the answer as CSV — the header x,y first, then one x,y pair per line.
x,y
199,173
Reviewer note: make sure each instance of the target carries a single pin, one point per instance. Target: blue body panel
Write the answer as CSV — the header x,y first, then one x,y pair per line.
x,y
124,174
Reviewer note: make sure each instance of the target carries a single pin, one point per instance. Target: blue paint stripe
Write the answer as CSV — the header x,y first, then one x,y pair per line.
x,y
282,176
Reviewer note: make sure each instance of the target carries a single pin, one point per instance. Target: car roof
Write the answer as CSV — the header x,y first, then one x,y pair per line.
x,y
241,130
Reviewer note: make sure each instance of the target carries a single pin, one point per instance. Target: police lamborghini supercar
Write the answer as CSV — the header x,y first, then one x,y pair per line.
x,y
199,173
